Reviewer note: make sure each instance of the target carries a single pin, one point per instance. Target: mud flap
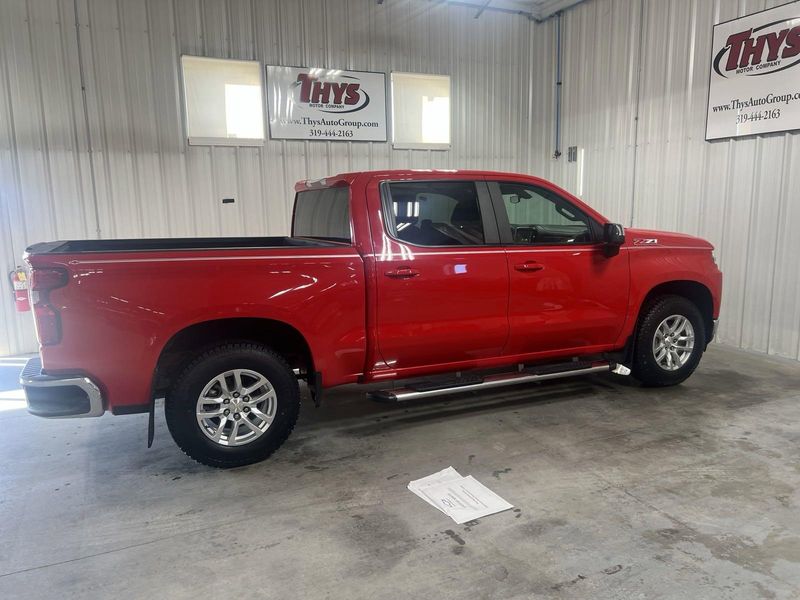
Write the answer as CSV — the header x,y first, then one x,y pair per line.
x,y
315,387
151,415
151,423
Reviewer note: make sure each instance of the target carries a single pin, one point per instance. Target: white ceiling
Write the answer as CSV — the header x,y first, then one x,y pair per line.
x,y
538,9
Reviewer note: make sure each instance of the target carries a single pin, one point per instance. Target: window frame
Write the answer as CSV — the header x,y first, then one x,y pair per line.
x,y
491,235
222,141
504,225
420,145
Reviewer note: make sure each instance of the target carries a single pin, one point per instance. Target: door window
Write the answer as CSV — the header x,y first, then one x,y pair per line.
x,y
539,216
434,213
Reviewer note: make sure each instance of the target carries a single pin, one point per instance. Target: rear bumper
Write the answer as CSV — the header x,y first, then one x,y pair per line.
x,y
59,397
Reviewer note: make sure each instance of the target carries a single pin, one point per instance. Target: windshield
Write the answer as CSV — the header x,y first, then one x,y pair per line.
x,y
323,213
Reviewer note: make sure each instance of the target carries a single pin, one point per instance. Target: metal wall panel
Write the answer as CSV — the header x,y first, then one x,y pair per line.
x,y
45,182
148,181
740,194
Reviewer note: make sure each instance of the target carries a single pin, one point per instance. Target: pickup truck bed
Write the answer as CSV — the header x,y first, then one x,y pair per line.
x,y
154,244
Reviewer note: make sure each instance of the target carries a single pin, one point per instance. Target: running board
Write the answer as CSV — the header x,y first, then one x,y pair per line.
x,y
488,382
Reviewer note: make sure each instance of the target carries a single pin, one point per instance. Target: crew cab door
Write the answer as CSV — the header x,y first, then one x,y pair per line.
x,y
441,275
565,293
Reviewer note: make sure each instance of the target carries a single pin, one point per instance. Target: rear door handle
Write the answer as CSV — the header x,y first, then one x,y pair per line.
x,y
402,273
529,266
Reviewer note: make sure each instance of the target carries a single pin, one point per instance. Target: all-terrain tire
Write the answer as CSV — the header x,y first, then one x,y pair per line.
x,y
646,367
181,404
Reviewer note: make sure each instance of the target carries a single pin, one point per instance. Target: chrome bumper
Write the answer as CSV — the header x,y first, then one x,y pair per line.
x,y
59,397
714,330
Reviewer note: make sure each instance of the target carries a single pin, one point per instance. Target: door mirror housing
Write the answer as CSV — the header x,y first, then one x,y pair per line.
x,y
613,238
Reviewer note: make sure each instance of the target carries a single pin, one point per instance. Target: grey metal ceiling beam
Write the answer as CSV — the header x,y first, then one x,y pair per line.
x,y
508,11
482,8
551,7
539,13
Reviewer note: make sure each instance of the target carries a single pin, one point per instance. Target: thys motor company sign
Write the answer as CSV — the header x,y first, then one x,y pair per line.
x,y
755,74
326,104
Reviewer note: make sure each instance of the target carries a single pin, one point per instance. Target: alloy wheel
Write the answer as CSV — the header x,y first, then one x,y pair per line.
x,y
236,407
673,342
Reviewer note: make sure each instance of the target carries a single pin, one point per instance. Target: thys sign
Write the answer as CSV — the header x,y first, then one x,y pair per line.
x,y
326,104
755,74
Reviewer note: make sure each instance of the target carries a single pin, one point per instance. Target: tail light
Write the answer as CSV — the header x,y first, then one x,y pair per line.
x,y
47,319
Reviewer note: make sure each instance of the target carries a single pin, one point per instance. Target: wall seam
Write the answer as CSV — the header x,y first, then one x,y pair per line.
x,y
135,152
87,124
45,149
181,111
755,181
787,153
65,38
162,176
638,107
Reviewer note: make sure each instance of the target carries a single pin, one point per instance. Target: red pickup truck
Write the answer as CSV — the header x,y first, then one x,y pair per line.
x,y
450,280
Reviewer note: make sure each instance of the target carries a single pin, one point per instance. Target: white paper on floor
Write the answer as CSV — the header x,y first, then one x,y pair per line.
x,y
461,498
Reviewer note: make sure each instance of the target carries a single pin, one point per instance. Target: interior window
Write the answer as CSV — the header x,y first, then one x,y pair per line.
x,y
539,216
435,213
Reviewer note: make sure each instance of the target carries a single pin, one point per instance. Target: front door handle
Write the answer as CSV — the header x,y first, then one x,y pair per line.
x,y
402,273
529,266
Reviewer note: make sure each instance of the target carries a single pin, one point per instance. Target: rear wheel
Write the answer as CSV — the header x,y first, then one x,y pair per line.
x,y
233,405
670,341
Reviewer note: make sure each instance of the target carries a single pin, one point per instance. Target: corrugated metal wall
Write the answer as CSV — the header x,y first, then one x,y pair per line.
x,y
148,182
144,180
740,194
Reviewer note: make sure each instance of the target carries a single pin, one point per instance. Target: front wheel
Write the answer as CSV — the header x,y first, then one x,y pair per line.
x,y
233,405
670,341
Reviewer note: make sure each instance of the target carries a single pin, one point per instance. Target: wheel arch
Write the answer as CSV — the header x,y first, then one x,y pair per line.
x,y
281,337
694,291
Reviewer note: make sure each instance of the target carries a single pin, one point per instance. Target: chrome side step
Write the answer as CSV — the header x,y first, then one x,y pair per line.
x,y
490,381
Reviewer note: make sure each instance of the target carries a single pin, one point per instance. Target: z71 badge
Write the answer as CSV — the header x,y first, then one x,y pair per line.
x,y
645,241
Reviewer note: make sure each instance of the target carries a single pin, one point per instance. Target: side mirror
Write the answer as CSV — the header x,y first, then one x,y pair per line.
x,y
613,238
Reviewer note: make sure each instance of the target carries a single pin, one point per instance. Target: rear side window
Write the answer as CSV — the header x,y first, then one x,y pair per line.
x,y
323,213
434,213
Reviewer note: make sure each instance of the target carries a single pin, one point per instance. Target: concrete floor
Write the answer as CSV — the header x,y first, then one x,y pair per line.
x,y
621,492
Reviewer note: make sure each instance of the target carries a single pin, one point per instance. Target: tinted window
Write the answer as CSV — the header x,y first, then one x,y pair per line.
x,y
435,213
539,216
323,213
